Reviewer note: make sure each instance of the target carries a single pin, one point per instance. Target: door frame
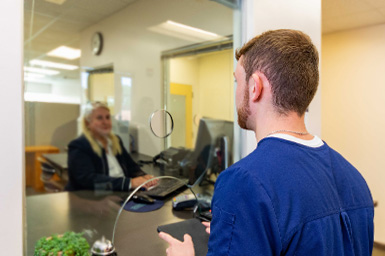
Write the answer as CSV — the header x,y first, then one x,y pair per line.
x,y
185,90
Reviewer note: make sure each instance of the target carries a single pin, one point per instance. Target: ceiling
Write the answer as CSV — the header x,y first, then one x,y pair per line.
x,y
340,15
48,25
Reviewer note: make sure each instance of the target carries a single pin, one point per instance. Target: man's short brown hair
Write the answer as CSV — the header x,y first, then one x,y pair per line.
x,y
289,60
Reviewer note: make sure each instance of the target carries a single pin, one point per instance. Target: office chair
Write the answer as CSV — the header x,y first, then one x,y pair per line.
x,y
50,177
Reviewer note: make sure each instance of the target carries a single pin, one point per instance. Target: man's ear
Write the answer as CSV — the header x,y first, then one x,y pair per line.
x,y
256,87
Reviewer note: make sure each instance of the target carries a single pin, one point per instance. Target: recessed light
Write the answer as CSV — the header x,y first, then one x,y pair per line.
x,y
51,64
42,71
65,52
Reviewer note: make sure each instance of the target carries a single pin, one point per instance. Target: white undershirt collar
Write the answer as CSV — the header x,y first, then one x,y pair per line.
x,y
314,143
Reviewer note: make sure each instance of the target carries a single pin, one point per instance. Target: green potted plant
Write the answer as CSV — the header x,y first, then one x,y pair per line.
x,y
67,244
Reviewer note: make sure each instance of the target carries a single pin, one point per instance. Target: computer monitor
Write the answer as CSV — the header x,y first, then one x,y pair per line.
x,y
213,149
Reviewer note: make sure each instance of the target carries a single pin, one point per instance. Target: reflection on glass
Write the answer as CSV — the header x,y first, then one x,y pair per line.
x,y
161,123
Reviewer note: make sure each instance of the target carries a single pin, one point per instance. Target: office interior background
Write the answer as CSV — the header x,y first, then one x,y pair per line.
x,y
133,78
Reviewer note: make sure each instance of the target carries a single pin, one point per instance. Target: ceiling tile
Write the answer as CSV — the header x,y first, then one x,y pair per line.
x,y
376,3
382,11
331,9
128,1
353,6
347,14
81,16
354,21
39,23
365,19
100,8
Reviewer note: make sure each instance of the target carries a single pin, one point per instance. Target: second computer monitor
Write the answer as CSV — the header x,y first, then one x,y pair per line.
x,y
213,148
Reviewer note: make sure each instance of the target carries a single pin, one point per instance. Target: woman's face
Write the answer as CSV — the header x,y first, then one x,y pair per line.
x,y
100,123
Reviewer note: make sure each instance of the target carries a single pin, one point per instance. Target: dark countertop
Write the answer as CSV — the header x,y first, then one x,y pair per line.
x,y
86,211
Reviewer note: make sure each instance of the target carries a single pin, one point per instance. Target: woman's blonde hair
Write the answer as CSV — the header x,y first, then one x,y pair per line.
x,y
89,109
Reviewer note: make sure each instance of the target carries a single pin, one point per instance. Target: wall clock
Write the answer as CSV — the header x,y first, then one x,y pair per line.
x,y
97,43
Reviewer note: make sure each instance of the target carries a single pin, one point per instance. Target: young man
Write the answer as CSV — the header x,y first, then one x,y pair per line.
x,y
293,195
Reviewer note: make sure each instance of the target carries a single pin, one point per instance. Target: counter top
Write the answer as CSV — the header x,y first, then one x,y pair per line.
x,y
95,214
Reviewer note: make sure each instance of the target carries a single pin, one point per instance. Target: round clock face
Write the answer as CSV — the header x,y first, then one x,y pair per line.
x,y
97,43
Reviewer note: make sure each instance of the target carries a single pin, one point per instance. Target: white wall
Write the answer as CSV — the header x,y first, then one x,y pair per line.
x,y
11,136
302,15
133,49
353,105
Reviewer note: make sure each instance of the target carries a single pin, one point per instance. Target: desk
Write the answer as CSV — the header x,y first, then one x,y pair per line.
x,y
32,165
83,211
86,211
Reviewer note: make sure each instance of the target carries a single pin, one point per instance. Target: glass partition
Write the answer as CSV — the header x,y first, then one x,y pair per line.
x,y
69,45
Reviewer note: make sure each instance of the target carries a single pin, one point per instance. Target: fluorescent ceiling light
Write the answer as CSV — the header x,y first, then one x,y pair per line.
x,y
175,29
191,29
42,71
65,53
33,75
51,64
59,2
32,79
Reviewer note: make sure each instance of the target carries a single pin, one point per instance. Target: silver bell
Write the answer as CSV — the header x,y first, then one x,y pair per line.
x,y
103,247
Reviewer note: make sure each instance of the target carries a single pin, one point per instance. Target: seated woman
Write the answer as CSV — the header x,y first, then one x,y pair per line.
x,y
97,159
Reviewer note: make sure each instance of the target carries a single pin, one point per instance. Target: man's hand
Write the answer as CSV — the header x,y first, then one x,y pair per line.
x,y
207,225
178,248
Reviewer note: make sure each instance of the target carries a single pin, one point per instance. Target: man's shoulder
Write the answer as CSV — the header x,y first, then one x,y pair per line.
x,y
244,169
255,160
275,164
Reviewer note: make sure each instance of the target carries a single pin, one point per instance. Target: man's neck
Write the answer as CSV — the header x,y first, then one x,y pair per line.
x,y
291,124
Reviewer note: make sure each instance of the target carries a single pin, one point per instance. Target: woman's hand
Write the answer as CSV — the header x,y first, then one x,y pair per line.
x,y
137,181
151,183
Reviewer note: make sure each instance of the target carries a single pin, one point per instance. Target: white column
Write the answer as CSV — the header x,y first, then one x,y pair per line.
x,y
11,135
304,15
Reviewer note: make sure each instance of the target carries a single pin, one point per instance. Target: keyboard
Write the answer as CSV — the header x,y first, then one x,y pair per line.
x,y
164,188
